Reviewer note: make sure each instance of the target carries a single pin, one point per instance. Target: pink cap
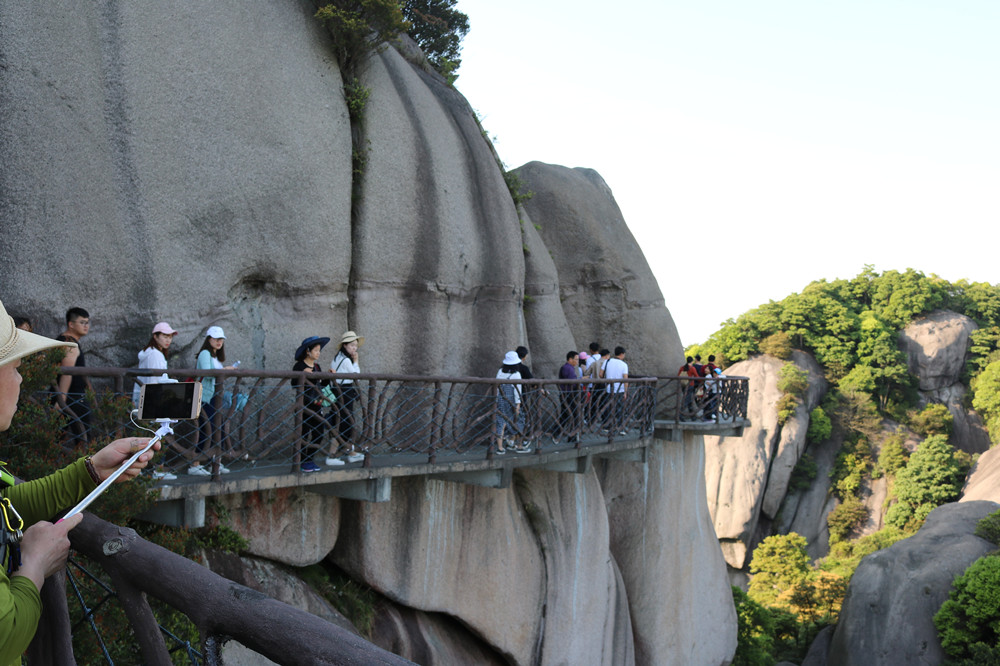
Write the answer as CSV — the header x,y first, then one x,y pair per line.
x,y
584,356
164,327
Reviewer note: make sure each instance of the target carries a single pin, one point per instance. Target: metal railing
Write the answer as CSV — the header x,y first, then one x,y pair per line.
x,y
279,419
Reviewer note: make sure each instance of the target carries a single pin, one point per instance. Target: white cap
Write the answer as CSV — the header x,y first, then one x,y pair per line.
x,y
215,332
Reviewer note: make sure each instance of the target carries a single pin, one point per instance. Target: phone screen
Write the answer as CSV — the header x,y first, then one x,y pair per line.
x,y
175,400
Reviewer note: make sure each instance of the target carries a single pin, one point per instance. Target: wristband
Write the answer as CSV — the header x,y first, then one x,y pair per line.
x,y
90,470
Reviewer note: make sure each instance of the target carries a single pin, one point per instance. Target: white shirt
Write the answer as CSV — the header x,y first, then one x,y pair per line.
x,y
616,369
343,363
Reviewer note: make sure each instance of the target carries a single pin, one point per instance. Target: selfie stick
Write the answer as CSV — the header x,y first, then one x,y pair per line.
x,y
164,429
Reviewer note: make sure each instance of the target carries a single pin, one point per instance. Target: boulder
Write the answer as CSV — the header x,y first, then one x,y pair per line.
x,y
804,512
437,265
586,606
445,547
887,615
288,525
429,638
607,290
662,538
276,582
983,482
747,477
157,164
936,346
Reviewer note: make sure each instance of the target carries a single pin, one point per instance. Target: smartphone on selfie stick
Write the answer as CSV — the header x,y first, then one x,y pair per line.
x,y
166,403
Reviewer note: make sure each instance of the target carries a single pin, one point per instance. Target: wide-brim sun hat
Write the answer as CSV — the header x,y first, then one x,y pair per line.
x,y
311,341
215,332
511,358
351,336
164,327
16,344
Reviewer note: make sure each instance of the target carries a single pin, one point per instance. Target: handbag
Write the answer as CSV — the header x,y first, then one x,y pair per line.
x,y
328,396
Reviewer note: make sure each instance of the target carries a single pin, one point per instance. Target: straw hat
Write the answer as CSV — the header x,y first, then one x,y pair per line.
x,y
15,343
351,336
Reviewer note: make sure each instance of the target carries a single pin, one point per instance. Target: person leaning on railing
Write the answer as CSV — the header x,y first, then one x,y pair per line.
x,y
28,558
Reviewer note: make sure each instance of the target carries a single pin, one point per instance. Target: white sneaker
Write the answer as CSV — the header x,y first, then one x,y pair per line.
x,y
198,470
223,469
163,476
334,462
354,457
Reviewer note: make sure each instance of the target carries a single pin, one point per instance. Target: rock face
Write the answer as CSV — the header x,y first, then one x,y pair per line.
x,y
936,347
984,480
887,616
747,478
156,164
607,291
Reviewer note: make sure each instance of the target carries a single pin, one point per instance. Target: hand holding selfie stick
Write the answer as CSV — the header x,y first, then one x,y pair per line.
x,y
164,429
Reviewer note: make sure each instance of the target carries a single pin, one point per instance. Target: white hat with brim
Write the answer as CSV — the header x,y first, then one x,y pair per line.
x,y
511,358
15,343
351,336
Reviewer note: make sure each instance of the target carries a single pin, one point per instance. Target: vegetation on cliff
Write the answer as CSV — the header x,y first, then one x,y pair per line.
x,y
852,328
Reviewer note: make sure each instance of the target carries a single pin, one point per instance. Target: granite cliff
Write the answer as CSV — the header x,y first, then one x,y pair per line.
x,y
195,165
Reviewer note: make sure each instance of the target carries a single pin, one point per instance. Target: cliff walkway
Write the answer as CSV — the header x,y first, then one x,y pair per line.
x,y
446,428
265,425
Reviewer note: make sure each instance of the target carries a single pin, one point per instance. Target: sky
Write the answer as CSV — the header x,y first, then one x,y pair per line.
x,y
754,147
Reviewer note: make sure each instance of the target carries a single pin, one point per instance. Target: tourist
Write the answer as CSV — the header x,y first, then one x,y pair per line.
x,y
211,356
569,398
313,423
71,389
154,357
617,392
688,369
23,323
509,416
27,561
346,362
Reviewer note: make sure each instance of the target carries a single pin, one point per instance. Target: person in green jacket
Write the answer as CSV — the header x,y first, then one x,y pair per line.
x,y
44,545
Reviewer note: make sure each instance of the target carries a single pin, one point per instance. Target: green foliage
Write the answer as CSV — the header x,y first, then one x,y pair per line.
x,y
754,632
793,379
989,528
844,556
932,477
353,600
820,426
786,407
778,563
517,186
847,515
971,614
359,26
803,474
356,95
934,419
222,537
850,467
778,345
439,29
986,398
893,455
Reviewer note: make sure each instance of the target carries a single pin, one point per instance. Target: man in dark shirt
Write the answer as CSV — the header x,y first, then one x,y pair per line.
x,y
569,398
72,389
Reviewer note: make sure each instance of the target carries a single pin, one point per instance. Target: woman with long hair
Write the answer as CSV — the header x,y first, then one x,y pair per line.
x,y
313,423
211,356
509,421
154,357
346,362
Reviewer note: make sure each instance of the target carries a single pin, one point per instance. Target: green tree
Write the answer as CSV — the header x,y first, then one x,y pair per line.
x,y
971,614
820,426
986,397
934,419
754,632
439,29
360,26
893,455
793,379
778,563
932,477
847,515
778,345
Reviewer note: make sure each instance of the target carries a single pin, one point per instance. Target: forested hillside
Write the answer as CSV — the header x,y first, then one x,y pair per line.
x,y
894,435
